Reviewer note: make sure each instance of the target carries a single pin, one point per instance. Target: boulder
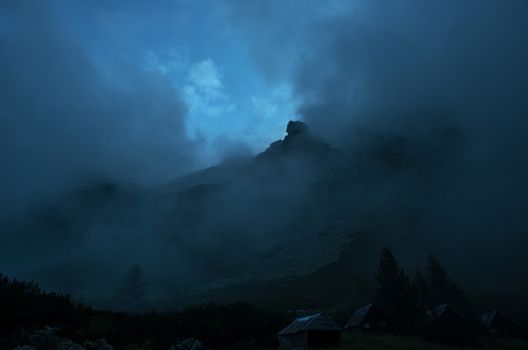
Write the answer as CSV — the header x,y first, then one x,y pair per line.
x,y
43,339
99,344
25,347
188,344
69,345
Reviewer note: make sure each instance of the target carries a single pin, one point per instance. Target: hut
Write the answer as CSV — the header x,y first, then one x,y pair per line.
x,y
446,314
498,324
450,327
310,332
367,318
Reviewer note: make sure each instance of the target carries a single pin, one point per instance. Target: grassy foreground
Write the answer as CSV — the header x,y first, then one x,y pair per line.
x,y
361,341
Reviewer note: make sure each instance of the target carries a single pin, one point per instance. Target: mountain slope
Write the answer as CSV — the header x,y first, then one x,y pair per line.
x,y
290,211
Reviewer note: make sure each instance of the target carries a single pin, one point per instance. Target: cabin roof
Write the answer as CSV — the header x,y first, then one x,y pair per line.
x,y
488,318
319,322
440,310
359,316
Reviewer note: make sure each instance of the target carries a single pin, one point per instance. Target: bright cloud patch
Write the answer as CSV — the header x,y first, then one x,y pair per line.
x,y
205,75
204,91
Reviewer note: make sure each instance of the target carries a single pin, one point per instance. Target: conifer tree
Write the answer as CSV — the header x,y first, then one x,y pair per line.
x,y
422,289
395,294
439,280
134,290
445,291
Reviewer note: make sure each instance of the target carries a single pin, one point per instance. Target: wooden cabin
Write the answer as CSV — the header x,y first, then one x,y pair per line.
x,y
315,331
500,325
368,318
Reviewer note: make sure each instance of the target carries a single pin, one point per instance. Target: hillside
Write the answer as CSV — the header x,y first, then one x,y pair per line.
x,y
301,213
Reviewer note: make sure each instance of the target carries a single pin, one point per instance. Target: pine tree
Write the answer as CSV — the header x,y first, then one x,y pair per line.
x,y
134,290
439,280
395,294
445,291
422,289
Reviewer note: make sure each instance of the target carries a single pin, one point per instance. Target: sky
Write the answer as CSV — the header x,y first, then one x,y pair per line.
x,y
130,90
145,93
195,46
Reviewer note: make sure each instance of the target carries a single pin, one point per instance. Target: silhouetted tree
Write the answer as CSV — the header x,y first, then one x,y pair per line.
x,y
444,291
440,282
133,291
395,294
422,288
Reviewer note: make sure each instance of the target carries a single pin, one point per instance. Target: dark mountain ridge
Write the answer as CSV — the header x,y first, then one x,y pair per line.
x,y
293,210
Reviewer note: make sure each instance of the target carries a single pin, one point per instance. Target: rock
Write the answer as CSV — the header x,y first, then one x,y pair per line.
x,y
299,142
296,127
69,345
198,345
43,339
99,344
188,344
25,347
274,148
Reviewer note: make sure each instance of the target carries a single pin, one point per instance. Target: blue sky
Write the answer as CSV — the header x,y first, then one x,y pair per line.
x,y
147,91
138,91
232,106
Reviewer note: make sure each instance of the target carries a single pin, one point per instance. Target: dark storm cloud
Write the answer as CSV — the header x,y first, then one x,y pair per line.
x,y
373,62
446,81
427,101
389,60
62,119
409,68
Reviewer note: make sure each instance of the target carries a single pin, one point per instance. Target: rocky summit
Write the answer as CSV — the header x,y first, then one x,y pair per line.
x,y
298,141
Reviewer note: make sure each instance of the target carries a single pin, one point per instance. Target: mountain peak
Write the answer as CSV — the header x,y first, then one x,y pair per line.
x,y
299,139
296,127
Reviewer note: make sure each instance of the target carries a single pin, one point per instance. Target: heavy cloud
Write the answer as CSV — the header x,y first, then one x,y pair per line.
x,y
443,85
427,101
64,120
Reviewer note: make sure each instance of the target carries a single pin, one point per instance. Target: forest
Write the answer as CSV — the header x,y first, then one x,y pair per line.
x,y
26,311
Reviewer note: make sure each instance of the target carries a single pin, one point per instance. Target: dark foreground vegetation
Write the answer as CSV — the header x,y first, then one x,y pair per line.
x,y
362,341
407,305
25,307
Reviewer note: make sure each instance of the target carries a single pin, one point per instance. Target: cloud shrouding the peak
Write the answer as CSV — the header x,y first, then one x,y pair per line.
x,y
422,105
445,75
64,119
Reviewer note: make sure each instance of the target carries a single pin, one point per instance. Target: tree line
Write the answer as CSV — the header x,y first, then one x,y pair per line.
x,y
406,301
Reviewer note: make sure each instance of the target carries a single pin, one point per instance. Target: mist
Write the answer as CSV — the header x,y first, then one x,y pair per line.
x,y
446,82
414,139
64,121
